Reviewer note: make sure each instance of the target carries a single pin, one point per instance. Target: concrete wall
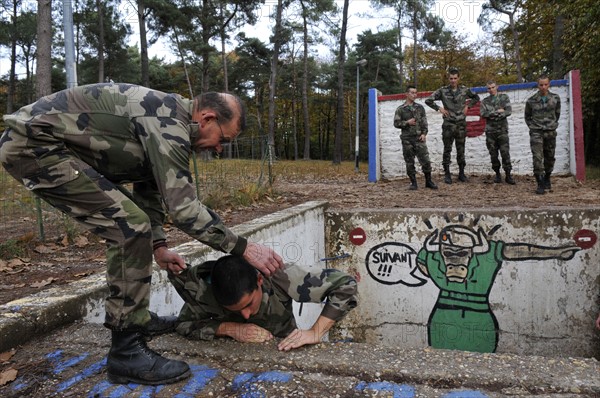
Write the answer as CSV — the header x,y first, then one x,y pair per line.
x,y
543,305
387,153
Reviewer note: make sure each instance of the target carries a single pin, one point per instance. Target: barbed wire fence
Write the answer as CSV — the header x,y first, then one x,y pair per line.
x,y
243,163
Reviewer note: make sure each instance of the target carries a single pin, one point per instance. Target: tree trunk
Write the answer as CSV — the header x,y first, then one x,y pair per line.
x,y
100,41
12,79
339,124
305,117
557,47
44,48
273,80
144,62
513,28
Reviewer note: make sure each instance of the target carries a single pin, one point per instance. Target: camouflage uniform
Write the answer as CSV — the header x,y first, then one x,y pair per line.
x,y
541,115
76,147
454,127
496,129
411,146
201,315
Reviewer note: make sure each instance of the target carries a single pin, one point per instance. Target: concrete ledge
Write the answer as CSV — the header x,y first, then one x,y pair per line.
x,y
22,319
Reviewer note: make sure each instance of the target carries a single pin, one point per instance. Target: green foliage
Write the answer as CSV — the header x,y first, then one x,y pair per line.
x,y
11,248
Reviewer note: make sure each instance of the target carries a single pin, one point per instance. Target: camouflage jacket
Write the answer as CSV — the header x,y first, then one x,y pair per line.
x,y
453,100
542,113
129,133
406,112
201,315
489,110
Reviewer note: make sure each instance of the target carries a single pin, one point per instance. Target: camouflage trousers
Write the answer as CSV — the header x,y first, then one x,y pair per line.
x,y
50,171
454,133
411,147
543,147
497,142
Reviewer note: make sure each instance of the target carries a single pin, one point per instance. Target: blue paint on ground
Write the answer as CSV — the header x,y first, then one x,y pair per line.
x,y
201,376
87,372
99,388
398,390
62,366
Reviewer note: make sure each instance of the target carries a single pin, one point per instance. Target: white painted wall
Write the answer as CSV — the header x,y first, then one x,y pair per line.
x,y
476,153
543,307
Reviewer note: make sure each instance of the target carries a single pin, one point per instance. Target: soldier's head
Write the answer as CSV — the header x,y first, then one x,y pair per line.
x,y
492,88
237,285
543,83
453,77
411,92
221,118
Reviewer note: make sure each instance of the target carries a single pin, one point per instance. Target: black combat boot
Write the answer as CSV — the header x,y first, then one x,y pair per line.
x,y
160,324
447,175
131,361
498,177
509,179
540,184
461,174
413,183
547,183
429,182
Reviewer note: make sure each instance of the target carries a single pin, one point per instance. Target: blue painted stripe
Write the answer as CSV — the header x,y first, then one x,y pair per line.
x,y
373,145
64,365
99,388
201,376
87,372
398,390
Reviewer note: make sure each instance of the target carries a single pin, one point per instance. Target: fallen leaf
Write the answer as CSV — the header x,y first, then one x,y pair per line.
x,y
81,241
65,241
15,262
79,275
7,376
43,249
5,356
42,283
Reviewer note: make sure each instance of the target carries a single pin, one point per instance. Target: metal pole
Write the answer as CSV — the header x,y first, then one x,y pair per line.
x,y
357,116
69,44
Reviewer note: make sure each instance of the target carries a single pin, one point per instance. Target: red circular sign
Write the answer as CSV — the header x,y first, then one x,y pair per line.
x,y
585,238
358,236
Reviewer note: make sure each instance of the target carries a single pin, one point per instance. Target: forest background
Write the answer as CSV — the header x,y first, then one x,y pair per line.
x,y
302,100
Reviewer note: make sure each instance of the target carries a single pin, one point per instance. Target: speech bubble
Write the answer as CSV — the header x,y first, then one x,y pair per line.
x,y
392,263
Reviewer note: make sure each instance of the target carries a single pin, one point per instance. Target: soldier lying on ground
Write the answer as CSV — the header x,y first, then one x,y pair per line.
x,y
228,297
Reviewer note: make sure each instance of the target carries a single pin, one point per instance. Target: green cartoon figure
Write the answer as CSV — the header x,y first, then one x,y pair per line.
x,y
463,264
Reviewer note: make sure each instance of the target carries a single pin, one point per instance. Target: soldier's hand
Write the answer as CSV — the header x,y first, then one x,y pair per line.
x,y
422,138
444,112
169,260
250,333
298,338
263,258
412,121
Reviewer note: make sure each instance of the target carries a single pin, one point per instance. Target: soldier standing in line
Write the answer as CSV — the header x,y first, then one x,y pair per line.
x,y
542,111
456,99
495,108
76,148
411,118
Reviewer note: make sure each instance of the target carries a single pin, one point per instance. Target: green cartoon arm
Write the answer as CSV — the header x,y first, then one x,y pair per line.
x,y
524,251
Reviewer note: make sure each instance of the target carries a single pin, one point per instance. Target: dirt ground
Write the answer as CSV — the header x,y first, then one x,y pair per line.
x,y
59,261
